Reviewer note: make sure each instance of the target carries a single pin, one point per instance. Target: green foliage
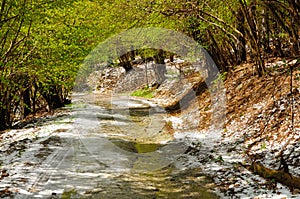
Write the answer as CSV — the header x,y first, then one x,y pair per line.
x,y
169,124
72,193
221,77
145,92
44,43
263,146
219,159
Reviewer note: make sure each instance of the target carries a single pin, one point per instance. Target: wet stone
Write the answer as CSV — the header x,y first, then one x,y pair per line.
x,y
53,140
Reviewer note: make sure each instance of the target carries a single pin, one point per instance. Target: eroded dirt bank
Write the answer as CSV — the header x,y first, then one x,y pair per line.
x,y
261,133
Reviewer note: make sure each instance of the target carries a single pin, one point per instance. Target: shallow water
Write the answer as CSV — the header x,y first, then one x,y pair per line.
x,y
106,148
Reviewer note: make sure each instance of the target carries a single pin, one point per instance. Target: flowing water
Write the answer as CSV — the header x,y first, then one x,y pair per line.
x,y
104,148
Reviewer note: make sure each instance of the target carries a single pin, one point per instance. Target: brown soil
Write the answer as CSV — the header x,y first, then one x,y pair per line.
x,y
262,113
265,110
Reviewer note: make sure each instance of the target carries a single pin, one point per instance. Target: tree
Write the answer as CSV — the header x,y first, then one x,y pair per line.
x,y
225,29
15,50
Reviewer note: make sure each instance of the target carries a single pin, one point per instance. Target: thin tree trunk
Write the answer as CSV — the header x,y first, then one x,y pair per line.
x,y
160,66
254,41
27,102
241,46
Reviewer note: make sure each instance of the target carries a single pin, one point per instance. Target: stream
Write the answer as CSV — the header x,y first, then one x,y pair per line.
x,y
100,148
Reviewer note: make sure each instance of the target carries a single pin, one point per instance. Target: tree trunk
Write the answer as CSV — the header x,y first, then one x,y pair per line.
x,y
52,97
241,46
265,31
27,102
279,175
160,67
125,62
253,35
295,20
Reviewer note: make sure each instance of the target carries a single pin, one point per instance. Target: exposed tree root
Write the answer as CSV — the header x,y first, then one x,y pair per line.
x,y
280,176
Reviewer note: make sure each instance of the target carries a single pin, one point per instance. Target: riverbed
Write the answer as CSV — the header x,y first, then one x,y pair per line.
x,y
100,148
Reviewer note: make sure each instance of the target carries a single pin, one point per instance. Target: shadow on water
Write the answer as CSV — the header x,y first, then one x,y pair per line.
x,y
149,187
121,172
135,147
165,183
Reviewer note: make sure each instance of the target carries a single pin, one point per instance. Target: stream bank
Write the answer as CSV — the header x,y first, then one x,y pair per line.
x,y
262,128
258,127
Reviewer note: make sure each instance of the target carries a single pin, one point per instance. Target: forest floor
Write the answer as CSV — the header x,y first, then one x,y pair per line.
x,y
263,116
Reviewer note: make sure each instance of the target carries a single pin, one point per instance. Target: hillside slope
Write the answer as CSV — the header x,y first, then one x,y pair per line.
x,y
262,124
